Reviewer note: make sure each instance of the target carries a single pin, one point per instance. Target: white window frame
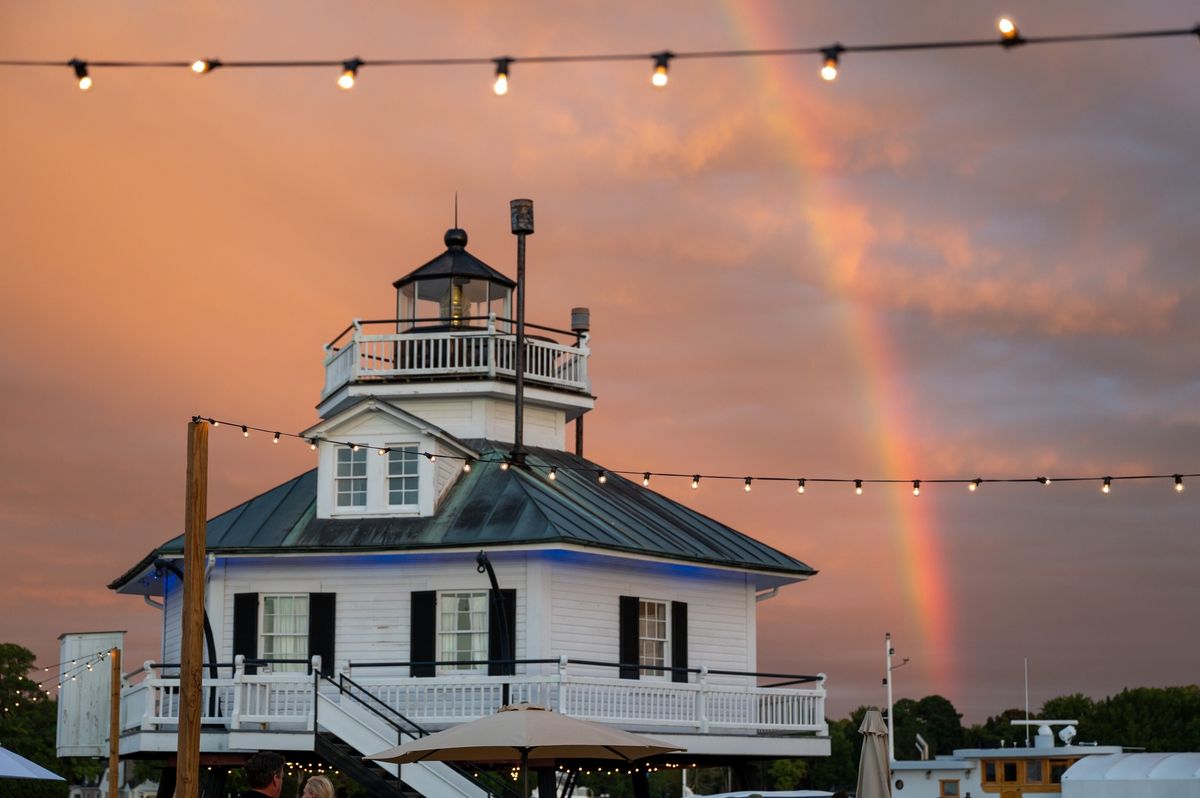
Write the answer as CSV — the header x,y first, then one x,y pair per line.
x,y
665,640
359,455
415,448
451,653
302,636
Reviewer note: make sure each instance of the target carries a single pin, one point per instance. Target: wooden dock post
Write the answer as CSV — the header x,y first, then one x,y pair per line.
x,y
114,722
191,699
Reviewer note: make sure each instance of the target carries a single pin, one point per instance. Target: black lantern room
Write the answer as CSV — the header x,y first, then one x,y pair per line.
x,y
454,291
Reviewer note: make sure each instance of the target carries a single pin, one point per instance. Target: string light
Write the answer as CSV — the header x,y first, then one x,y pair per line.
x,y
829,69
349,73
205,65
662,63
1010,36
646,476
501,84
601,477
81,73
1107,486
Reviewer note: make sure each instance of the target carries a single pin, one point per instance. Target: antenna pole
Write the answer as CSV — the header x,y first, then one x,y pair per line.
x,y
521,211
887,679
1027,701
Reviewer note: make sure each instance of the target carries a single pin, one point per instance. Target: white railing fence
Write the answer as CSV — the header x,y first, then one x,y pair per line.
x,y
460,353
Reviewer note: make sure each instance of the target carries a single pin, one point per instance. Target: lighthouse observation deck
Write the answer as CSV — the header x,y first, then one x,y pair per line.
x,y
472,347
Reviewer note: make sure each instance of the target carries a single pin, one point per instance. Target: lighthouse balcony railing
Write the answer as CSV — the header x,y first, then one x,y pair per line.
x,y
707,702
455,348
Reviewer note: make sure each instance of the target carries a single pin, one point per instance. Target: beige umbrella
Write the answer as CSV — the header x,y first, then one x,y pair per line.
x,y
873,766
522,732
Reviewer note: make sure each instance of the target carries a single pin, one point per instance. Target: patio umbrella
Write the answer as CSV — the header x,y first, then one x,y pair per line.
x,y
15,766
873,765
517,733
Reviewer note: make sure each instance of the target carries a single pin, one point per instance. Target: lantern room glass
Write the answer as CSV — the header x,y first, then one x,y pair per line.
x,y
452,303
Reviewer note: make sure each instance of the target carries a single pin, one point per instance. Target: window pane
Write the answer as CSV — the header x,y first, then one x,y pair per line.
x,y
402,476
462,629
1033,771
1010,771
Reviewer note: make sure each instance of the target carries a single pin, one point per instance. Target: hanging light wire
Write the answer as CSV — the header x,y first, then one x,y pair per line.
x,y
644,476
1008,38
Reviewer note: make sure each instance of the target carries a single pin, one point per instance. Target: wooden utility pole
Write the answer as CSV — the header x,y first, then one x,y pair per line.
x,y
114,722
187,773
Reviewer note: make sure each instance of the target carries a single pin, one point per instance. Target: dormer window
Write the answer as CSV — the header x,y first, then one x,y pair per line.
x,y
402,479
351,477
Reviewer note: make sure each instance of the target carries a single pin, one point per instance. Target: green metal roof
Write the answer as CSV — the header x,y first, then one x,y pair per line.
x,y
491,507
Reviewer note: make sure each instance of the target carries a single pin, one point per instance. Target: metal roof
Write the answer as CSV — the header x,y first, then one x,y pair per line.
x,y
491,507
455,262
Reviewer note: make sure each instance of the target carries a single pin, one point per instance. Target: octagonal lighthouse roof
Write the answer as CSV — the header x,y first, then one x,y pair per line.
x,y
455,262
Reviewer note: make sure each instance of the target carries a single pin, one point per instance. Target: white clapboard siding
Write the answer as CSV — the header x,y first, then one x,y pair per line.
x,y
172,617
585,597
373,595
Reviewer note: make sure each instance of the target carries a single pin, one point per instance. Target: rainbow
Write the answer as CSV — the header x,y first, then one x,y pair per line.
x,y
913,525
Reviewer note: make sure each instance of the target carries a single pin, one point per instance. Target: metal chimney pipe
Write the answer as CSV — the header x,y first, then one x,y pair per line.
x,y
581,323
521,214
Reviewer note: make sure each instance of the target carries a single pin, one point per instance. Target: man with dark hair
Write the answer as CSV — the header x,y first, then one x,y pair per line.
x,y
264,775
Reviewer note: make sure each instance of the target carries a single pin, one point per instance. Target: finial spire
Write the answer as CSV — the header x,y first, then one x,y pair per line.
x,y
456,209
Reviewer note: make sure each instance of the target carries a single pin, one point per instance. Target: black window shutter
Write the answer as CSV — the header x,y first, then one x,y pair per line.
x,y
679,640
422,645
628,638
502,630
322,619
245,627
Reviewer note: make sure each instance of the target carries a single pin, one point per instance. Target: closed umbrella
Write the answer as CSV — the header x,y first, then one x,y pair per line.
x,y
517,733
15,766
873,765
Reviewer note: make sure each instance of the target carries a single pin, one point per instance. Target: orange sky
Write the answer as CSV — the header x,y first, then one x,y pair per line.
x,y
942,265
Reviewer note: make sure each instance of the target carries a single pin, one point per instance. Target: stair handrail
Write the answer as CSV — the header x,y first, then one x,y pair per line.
x,y
468,770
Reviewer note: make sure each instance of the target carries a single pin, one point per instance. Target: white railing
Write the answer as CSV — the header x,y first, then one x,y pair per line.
x,y
285,701
483,353
695,706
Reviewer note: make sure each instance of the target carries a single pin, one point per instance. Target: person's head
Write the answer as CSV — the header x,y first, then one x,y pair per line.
x,y
264,772
318,787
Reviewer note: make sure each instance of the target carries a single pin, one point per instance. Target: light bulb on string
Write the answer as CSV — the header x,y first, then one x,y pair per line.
x,y
203,66
747,486
1044,480
276,438
501,84
1009,35
646,479
1179,483
383,451
662,63
601,477
553,475
467,465
349,73
503,465
245,431
81,73
800,485
1106,487
695,481
858,487
431,457
974,484
312,444
916,487
829,64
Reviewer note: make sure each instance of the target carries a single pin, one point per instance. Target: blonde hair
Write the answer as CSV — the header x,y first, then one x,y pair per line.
x,y
319,787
